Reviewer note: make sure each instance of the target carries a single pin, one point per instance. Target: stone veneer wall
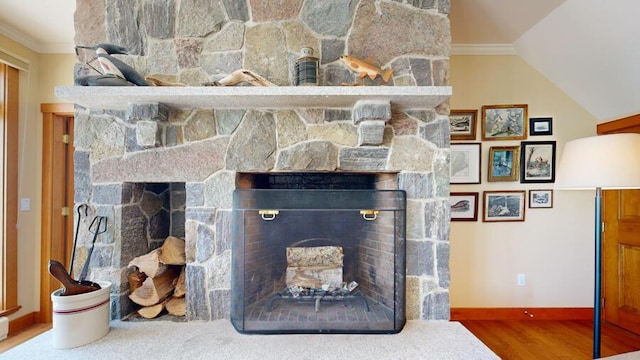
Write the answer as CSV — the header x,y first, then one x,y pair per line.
x,y
199,41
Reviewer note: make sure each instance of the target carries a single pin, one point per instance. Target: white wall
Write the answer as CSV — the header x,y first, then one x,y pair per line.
x,y
552,247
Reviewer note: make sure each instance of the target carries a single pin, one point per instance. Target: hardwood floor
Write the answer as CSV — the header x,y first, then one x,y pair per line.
x,y
546,339
22,336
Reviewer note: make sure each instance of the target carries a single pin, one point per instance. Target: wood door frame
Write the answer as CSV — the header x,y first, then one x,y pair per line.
x,y
9,131
56,230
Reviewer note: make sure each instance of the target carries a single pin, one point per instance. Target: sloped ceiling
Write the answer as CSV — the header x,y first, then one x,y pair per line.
x,y
496,21
588,48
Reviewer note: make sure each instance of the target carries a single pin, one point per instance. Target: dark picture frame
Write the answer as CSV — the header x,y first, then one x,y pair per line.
x,y
504,163
465,162
540,126
504,122
540,199
506,205
463,124
538,162
464,206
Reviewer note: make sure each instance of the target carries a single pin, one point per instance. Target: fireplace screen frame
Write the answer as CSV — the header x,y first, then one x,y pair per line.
x,y
257,212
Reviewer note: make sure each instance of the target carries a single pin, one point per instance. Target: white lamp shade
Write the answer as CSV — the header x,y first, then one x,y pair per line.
x,y
605,161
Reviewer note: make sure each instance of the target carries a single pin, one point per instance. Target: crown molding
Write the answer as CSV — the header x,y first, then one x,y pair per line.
x,y
16,61
58,48
19,37
34,45
483,49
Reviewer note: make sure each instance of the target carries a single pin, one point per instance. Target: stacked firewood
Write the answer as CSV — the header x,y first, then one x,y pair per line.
x,y
315,267
157,281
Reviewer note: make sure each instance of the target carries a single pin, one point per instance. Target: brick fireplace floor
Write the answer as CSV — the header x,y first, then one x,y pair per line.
x,y
300,315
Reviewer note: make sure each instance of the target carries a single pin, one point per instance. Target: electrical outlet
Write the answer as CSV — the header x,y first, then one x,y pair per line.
x,y
522,279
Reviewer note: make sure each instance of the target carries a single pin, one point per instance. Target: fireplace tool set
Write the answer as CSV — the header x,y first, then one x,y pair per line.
x,y
56,269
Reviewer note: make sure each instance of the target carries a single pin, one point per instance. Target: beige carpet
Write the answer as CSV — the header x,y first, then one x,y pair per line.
x,y
219,340
635,355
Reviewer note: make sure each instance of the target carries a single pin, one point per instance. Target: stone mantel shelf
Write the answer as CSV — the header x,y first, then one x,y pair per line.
x,y
246,97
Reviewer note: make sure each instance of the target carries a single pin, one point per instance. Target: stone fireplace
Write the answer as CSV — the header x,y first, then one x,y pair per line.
x,y
166,161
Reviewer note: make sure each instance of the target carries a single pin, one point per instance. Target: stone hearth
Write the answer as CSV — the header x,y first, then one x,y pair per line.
x,y
195,154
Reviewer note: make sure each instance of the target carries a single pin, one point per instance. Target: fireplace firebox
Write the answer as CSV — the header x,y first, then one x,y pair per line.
x,y
318,260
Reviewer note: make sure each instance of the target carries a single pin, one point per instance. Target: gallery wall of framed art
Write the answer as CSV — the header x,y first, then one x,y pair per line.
x,y
486,257
516,151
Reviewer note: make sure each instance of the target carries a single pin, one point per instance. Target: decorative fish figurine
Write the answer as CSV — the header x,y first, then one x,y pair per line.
x,y
365,68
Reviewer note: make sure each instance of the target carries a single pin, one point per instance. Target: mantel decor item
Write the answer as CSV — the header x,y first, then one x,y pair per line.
x,y
365,68
606,162
538,161
306,69
504,163
504,122
462,124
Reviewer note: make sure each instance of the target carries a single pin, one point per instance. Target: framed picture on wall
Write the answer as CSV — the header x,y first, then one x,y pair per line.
x,y
540,199
465,163
504,122
464,206
540,126
538,161
507,205
462,124
504,163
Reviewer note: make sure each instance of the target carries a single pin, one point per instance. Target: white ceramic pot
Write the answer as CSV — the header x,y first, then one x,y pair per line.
x,y
80,319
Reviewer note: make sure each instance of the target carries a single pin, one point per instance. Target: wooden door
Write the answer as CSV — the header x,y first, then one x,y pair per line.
x,y
621,245
621,258
57,194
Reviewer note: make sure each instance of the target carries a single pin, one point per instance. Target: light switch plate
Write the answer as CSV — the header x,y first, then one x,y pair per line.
x,y
25,204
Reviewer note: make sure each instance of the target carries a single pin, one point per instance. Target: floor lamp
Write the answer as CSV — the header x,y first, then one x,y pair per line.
x,y
599,163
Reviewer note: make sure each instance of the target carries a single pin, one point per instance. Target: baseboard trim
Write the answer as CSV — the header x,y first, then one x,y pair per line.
x,y
21,323
458,314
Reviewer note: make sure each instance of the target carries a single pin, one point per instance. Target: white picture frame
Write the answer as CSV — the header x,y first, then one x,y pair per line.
x,y
465,163
541,199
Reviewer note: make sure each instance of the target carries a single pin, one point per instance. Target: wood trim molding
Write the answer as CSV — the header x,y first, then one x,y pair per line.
x,y
9,105
623,125
10,311
57,109
55,228
21,323
458,314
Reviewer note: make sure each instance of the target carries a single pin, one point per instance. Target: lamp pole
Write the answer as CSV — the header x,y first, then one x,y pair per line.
x,y
600,162
597,293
